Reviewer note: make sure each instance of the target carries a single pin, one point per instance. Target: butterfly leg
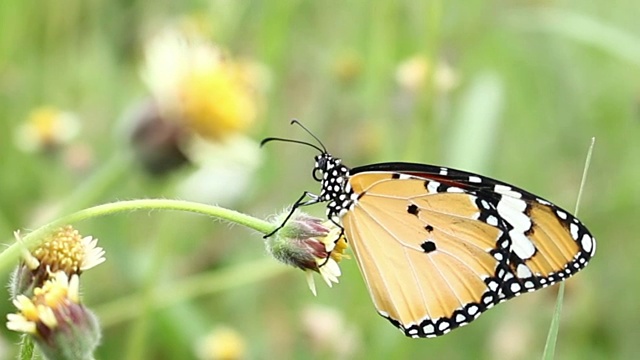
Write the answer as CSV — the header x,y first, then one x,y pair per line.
x,y
300,202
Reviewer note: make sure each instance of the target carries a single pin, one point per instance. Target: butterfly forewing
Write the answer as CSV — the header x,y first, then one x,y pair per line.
x,y
439,246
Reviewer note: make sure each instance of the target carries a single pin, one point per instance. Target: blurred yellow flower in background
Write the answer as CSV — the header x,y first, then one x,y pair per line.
x,y
195,82
222,343
217,101
413,73
203,104
46,128
416,72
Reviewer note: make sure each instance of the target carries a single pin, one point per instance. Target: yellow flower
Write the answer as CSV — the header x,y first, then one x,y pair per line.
x,y
63,250
217,101
55,293
348,67
60,325
68,251
223,343
200,86
412,74
45,129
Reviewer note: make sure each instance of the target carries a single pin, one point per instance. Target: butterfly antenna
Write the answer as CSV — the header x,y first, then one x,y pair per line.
x,y
269,139
295,121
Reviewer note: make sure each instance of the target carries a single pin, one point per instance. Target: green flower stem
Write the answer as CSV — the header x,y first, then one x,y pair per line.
x,y
26,348
9,256
127,308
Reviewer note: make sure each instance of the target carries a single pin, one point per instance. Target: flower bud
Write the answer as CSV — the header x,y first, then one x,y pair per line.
x,y
309,244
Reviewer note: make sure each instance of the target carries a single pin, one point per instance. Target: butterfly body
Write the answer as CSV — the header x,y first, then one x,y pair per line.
x,y
438,246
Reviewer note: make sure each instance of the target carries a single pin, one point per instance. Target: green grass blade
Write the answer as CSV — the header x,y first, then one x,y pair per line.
x,y
552,337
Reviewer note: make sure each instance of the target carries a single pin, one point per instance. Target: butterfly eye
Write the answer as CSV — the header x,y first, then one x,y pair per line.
x,y
318,170
317,174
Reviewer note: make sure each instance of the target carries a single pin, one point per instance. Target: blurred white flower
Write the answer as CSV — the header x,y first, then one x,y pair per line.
x,y
45,129
226,170
329,332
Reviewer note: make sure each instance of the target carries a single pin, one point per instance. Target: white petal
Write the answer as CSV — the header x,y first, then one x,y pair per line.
x,y
311,282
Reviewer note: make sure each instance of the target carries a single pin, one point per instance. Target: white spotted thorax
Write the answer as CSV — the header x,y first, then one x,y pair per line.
x,y
335,188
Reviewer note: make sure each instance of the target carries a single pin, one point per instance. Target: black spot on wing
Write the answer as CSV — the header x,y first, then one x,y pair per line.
x,y
413,209
428,246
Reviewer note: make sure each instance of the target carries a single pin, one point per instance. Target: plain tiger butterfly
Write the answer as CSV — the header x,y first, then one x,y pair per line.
x,y
437,246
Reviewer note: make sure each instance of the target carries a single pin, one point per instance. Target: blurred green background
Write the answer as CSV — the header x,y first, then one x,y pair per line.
x,y
511,89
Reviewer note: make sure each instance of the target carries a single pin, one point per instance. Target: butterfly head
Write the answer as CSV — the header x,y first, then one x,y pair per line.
x,y
329,171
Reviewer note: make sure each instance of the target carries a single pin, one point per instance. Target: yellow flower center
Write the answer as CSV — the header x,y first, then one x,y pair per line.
x,y
45,123
63,250
217,101
338,252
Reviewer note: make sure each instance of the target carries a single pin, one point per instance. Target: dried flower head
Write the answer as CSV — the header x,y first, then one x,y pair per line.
x,y
309,244
156,139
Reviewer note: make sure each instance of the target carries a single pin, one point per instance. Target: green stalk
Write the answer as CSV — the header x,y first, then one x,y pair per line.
x,y
9,256
552,337
26,348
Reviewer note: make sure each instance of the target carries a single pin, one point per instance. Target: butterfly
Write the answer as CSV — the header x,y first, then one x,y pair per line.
x,y
436,246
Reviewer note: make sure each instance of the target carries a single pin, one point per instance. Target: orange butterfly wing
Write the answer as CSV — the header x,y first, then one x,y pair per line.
x,y
436,252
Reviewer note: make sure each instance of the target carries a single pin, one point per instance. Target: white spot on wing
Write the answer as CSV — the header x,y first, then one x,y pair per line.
x,y
522,271
475,179
512,210
574,229
473,309
521,245
543,202
493,285
507,190
432,187
454,189
428,329
587,243
561,214
443,326
515,287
